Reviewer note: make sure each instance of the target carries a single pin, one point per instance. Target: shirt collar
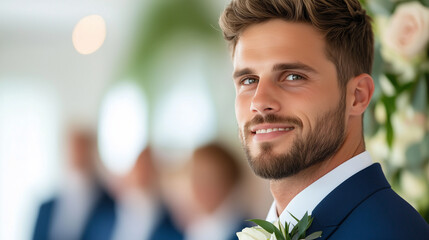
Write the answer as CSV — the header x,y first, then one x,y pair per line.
x,y
311,196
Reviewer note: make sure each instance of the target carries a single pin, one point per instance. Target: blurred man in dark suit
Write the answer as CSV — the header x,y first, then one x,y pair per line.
x,y
83,209
142,213
215,177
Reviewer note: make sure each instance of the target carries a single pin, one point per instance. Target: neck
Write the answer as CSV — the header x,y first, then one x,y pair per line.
x,y
285,189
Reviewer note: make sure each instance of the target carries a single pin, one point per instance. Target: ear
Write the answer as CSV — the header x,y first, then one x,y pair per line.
x,y
360,90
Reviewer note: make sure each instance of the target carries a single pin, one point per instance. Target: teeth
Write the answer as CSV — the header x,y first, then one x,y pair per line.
x,y
268,130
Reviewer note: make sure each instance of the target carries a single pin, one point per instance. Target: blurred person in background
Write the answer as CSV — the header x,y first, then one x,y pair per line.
x,y
142,214
215,177
83,208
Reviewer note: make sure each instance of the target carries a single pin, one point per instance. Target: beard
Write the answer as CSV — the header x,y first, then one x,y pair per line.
x,y
321,143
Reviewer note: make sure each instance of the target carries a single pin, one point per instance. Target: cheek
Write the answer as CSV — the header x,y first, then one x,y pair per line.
x,y
241,109
310,106
317,99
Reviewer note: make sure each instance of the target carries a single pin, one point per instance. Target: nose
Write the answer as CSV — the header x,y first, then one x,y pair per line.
x,y
264,100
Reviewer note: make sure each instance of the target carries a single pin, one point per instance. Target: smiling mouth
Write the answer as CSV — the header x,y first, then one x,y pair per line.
x,y
269,130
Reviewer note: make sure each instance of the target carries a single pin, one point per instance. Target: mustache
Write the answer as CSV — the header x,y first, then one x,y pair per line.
x,y
272,118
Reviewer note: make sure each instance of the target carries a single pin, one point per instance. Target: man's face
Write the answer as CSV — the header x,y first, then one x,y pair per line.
x,y
289,108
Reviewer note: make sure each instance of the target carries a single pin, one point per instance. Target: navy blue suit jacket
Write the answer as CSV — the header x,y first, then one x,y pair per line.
x,y
166,229
99,225
365,207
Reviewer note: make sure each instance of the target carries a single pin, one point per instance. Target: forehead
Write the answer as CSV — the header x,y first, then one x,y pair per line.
x,y
278,41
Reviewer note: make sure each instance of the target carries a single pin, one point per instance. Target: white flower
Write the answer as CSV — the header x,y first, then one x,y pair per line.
x,y
409,128
273,237
409,125
254,233
408,30
386,86
380,113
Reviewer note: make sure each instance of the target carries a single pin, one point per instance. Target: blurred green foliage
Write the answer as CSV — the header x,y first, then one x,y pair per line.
x,y
399,108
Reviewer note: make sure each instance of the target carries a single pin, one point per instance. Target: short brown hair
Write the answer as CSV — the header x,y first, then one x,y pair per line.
x,y
219,155
344,24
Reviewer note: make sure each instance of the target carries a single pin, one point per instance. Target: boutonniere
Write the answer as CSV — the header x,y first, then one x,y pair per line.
x,y
269,231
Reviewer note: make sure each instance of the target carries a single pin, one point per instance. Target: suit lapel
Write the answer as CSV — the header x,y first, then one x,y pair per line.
x,y
335,207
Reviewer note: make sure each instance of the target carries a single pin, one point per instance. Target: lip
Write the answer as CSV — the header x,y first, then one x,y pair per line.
x,y
269,132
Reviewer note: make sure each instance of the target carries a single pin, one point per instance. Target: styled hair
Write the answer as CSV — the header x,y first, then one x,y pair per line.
x,y
226,161
344,24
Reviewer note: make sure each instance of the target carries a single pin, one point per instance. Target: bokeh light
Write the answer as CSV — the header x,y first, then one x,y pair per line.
x,y
122,130
89,34
183,119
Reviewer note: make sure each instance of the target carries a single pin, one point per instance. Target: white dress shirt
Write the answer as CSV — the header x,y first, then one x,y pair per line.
x,y
220,225
75,201
138,214
312,195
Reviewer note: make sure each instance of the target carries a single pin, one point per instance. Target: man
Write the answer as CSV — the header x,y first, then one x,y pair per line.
x,y
142,215
301,73
83,208
215,176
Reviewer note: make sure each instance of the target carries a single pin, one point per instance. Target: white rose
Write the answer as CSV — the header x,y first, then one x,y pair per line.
x,y
408,30
254,233
273,237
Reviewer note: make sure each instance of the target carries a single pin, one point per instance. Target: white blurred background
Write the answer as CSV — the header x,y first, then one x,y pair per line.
x,y
183,101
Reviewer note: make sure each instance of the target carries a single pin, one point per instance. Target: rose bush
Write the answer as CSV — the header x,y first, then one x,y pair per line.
x,y
397,121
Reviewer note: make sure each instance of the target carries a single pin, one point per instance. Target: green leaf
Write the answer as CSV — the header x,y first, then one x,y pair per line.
x,y
287,236
394,80
390,105
269,227
282,229
389,133
282,233
314,235
295,237
303,225
278,234
297,220
294,230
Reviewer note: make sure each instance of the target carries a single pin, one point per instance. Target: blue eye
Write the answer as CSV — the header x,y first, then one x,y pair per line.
x,y
248,81
293,77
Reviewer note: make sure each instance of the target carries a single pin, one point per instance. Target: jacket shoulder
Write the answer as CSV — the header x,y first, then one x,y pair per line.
x,y
43,221
383,215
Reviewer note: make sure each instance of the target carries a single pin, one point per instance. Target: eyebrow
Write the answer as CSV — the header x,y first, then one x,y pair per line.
x,y
278,67
242,72
295,66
